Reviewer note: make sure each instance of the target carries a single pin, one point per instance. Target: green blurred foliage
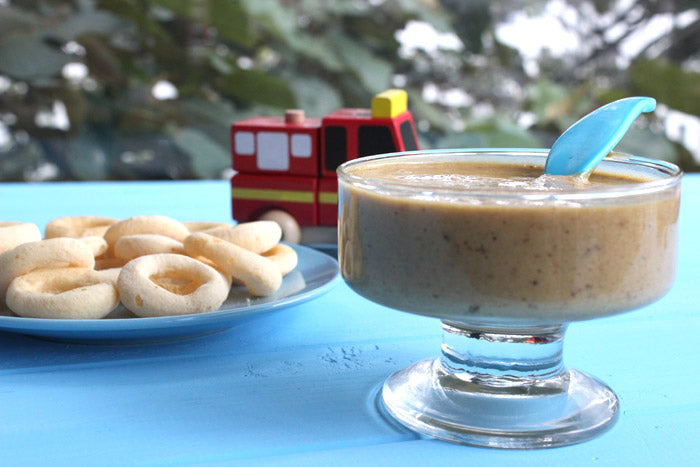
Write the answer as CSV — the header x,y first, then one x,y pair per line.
x,y
78,78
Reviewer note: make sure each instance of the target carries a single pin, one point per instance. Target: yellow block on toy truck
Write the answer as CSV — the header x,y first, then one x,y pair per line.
x,y
389,104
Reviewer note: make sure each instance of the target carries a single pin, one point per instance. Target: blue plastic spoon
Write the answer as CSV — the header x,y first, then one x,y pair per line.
x,y
580,148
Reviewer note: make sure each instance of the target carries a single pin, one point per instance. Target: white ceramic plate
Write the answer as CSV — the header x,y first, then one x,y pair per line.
x,y
315,274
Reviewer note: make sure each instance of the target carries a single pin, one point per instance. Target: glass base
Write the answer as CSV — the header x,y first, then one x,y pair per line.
x,y
500,389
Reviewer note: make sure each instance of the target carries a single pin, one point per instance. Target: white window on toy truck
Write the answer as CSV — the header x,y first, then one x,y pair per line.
x,y
301,145
273,151
244,142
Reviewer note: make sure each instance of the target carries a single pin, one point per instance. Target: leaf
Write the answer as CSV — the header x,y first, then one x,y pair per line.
x,y
374,72
145,26
317,50
77,107
558,106
87,158
472,21
220,64
149,156
32,55
213,118
427,11
422,110
20,160
26,56
323,10
667,83
83,22
315,96
14,20
648,143
272,16
208,159
208,111
257,86
229,17
493,133
102,61
232,21
547,98
180,7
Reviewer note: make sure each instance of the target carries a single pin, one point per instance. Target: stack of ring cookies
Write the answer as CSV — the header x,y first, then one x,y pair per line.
x,y
84,266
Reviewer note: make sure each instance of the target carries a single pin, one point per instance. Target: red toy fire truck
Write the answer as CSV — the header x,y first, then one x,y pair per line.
x,y
285,166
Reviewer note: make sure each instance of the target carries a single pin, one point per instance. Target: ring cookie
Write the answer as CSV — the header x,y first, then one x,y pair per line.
x,y
97,244
129,247
108,262
155,224
16,233
257,236
51,253
154,265
259,275
170,284
284,257
62,293
78,226
199,226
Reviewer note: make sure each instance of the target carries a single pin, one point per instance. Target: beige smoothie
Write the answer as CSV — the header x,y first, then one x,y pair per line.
x,y
486,239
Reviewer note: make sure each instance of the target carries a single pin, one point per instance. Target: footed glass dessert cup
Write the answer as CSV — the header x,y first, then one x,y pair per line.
x,y
506,259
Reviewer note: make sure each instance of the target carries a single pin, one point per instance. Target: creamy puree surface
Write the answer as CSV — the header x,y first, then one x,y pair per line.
x,y
504,258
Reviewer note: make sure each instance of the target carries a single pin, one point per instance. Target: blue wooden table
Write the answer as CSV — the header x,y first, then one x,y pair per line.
x,y
299,386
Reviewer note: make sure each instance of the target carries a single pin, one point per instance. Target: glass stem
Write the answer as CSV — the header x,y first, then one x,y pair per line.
x,y
502,357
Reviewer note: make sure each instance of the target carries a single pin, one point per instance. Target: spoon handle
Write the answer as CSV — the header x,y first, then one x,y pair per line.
x,y
580,148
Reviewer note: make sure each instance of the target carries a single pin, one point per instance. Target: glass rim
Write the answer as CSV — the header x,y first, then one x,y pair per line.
x,y
669,176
